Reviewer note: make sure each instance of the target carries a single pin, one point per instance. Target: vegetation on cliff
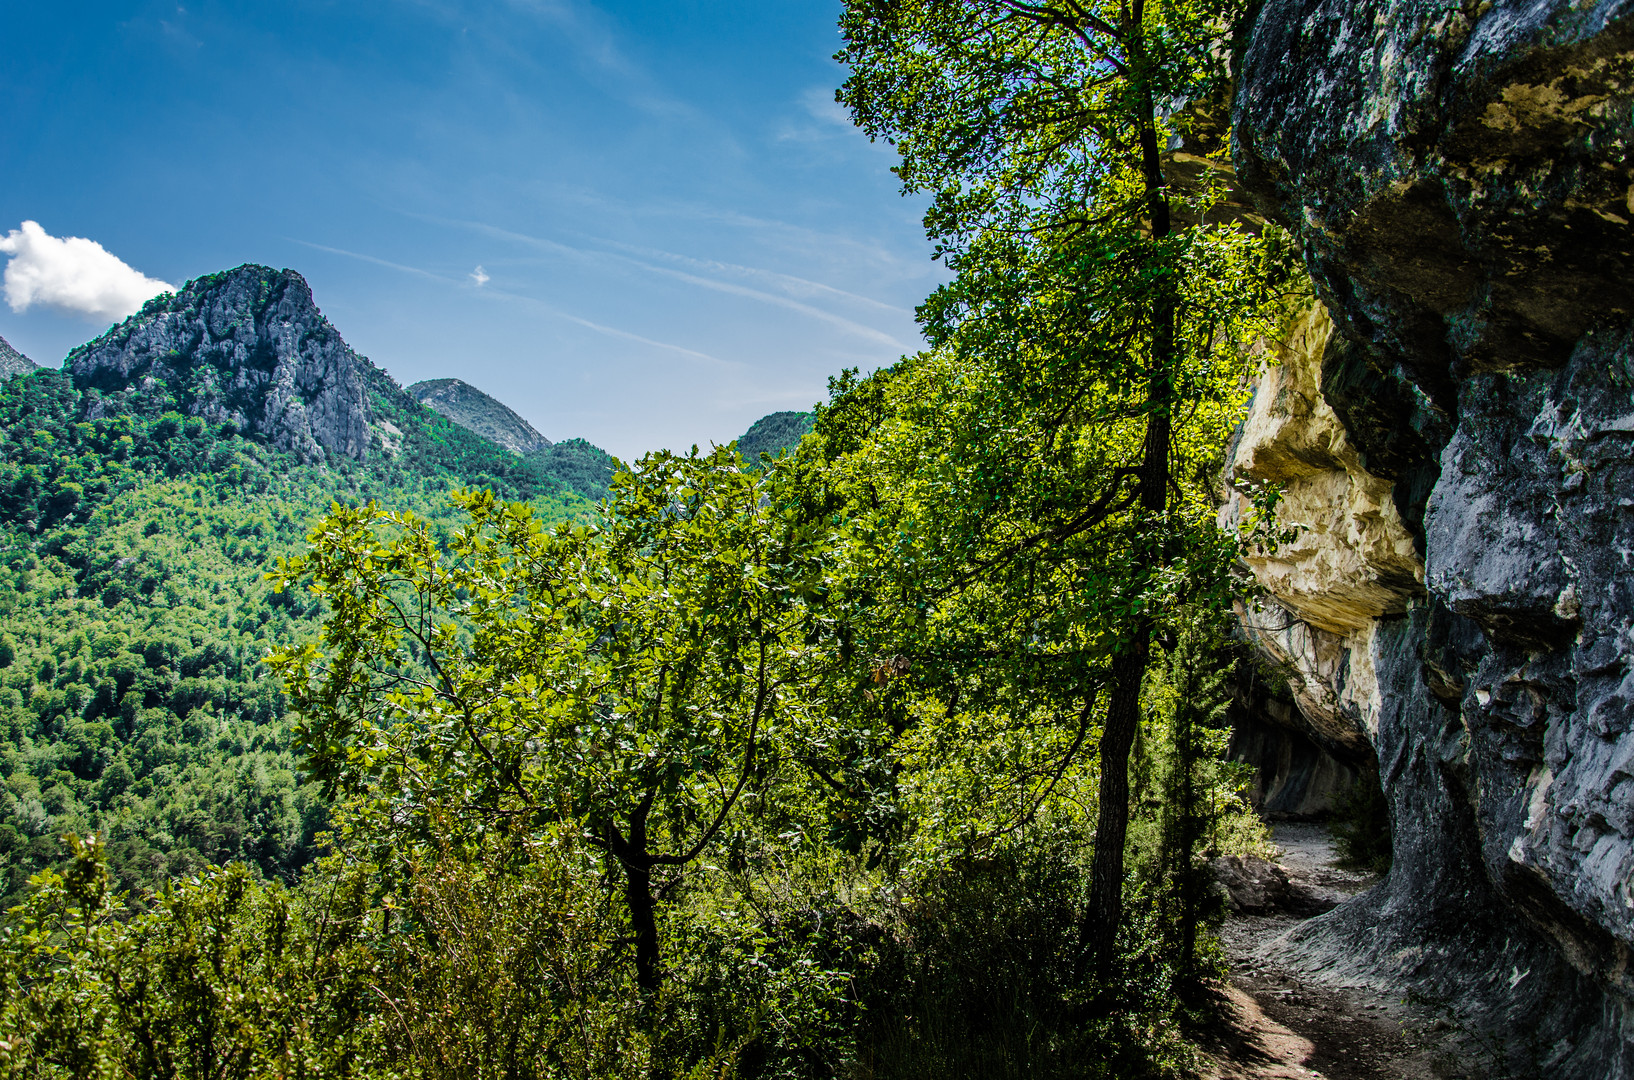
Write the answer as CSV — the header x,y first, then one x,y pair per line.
x,y
582,467
13,362
773,434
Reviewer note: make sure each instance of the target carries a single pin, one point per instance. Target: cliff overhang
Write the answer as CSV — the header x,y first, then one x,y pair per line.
x,y
1454,425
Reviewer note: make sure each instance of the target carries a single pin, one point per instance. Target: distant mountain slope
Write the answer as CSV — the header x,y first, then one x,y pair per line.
x,y
13,362
472,409
584,468
774,433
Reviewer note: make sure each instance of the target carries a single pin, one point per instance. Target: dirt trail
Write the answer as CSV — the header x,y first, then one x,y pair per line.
x,y
1281,1025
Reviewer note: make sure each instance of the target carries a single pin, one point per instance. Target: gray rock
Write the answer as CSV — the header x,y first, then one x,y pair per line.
x,y
1460,176
1294,776
1252,885
247,346
475,411
13,362
1458,173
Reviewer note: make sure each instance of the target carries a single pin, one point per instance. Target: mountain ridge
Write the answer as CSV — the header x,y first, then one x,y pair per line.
x,y
479,412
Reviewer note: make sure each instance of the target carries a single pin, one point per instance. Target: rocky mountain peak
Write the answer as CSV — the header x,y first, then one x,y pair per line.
x,y
13,362
476,411
246,346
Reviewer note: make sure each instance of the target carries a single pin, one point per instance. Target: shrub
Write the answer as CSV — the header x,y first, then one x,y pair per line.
x,y
1361,825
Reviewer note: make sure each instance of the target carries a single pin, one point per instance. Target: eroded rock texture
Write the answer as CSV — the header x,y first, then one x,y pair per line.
x,y
13,362
247,346
1462,443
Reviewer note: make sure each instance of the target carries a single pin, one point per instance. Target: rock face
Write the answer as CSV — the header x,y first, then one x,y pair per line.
x,y
1254,886
475,411
247,346
1297,777
1461,446
13,362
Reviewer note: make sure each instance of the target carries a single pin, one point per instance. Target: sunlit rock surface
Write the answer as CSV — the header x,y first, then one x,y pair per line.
x,y
13,362
1461,448
248,347
1353,558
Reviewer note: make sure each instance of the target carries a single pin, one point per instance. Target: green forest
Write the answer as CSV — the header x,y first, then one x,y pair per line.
x,y
137,614
899,754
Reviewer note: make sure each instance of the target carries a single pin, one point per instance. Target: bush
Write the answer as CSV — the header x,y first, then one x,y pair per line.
x,y
1361,825
983,974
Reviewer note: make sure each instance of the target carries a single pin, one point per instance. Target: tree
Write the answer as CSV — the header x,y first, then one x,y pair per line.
x,y
1107,345
623,680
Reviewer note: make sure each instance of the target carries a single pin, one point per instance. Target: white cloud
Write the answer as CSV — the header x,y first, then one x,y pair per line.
x,y
72,274
480,276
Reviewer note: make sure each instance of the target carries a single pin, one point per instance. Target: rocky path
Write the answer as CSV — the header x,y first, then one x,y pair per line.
x,y
1279,1024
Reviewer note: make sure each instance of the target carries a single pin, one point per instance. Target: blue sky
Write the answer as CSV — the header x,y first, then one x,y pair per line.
x,y
678,231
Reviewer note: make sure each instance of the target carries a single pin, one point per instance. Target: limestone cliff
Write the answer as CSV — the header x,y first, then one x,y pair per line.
x,y
247,346
1459,443
13,362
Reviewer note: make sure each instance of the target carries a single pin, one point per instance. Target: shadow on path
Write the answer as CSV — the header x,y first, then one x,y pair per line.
x,y
1277,1024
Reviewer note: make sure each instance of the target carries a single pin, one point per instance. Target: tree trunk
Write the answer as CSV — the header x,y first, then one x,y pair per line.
x,y
1191,885
1112,824
637,862
1129,663
643,921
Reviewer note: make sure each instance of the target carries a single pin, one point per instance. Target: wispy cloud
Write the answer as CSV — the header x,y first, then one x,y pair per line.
x,y
549,309
850,326
480,276
74,275
613,331
810,243
415,270
594,42
797,286
820,105
838,321
847,251
820,118
586,28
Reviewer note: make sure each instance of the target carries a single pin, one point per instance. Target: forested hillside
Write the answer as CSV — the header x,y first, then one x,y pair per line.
x,y
134,544
584,468
773,434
